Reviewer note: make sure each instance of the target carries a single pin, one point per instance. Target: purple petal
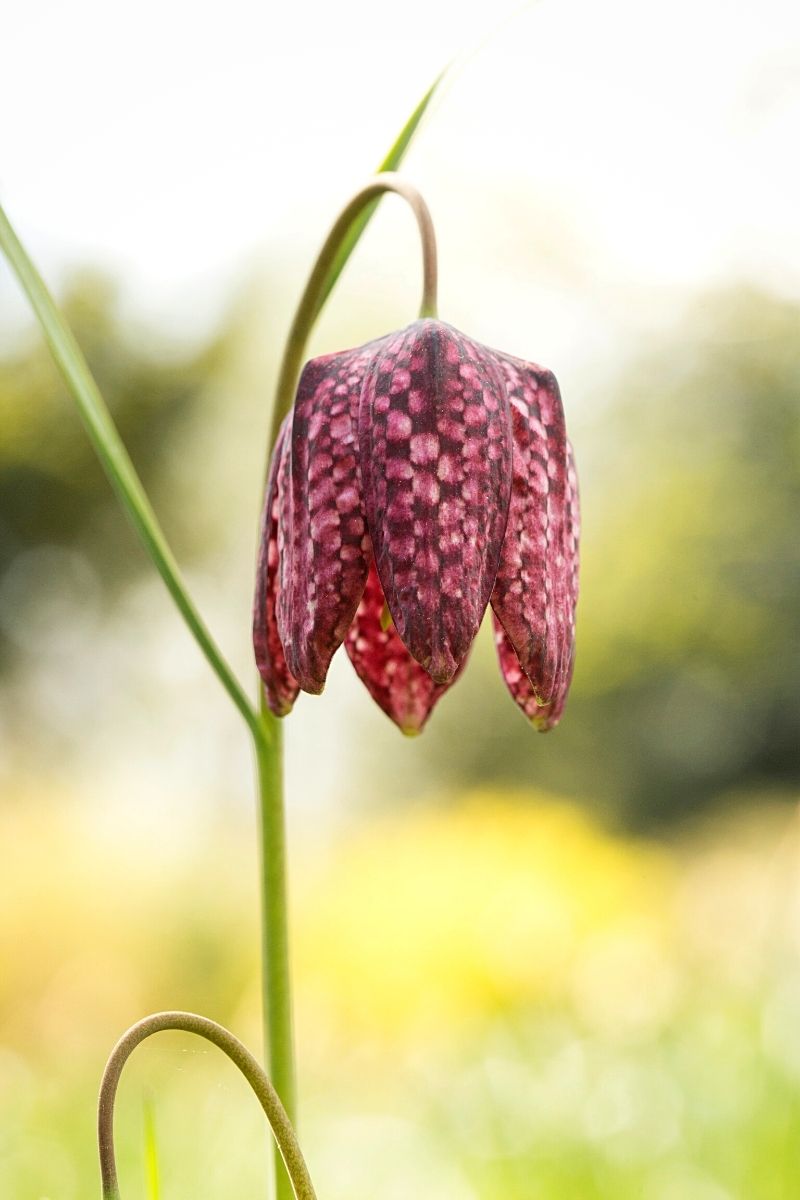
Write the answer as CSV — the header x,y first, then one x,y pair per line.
x,y
279,684
543,716
435,440
536,588
396,681
323,572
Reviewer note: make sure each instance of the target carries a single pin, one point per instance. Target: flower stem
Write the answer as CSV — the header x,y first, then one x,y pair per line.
x,y
116,461
293,1163
328,262
277,1006
390,162
276,978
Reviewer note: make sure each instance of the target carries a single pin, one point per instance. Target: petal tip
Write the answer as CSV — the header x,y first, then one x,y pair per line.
x,y
314,687
399,683
544,723
442,668
278,702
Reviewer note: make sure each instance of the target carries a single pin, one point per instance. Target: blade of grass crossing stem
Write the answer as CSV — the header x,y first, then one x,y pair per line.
x,y
152,1174
390,163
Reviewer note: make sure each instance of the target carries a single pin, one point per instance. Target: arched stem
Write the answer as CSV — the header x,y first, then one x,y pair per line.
x,y
231,1046
317,287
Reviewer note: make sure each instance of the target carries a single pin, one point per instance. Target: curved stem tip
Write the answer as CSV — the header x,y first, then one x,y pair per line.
x,y
317,286
231,1046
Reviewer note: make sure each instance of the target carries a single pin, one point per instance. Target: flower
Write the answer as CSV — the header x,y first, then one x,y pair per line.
x,y
416,479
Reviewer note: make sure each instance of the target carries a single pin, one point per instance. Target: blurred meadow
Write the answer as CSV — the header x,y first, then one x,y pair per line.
x,y
526,967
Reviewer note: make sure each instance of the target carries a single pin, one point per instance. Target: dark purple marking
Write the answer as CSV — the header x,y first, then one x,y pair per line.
x,y
395,680
324,571
531,593
435,441
280,685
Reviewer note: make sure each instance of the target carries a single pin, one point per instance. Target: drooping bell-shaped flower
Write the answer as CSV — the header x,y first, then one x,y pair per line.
x,y
416,480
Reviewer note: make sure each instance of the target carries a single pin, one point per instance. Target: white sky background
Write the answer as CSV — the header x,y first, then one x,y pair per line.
x,y
588,169
171,139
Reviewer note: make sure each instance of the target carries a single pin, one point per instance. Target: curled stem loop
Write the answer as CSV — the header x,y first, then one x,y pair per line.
x,y
275,1113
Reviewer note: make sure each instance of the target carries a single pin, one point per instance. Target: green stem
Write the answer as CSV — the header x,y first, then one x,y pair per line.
x,y
116,462
276,977
328,265
300,1186
277,1013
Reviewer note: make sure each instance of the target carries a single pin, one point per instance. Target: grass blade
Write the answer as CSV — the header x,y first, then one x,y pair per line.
x,y
110,449
152,1172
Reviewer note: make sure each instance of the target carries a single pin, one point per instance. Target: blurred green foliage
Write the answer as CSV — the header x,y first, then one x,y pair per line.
x,y
495,1002
687,683
52,489
498,998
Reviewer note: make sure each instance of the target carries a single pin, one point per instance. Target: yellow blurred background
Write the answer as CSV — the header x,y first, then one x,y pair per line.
x,y
527,967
